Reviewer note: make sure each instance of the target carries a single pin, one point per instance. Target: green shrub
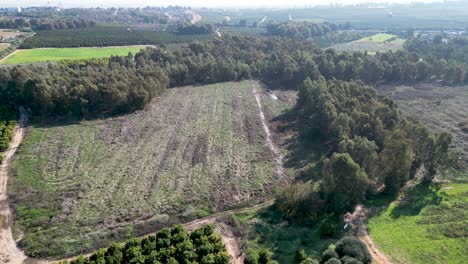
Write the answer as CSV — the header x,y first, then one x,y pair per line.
x,y
330,253
353,247
333,261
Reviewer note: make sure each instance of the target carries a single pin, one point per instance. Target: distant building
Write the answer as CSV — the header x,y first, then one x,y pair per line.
x,y
11,10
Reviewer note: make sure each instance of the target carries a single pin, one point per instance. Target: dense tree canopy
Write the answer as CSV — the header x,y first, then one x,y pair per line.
x,y
45,24
302,29
174,245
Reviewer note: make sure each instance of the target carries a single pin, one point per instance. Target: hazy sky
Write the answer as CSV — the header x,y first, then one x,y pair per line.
x,y
195,3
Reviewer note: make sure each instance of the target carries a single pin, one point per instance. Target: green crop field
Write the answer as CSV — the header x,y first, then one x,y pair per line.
x,y
57,54
378,38
379,42
192,151
427,225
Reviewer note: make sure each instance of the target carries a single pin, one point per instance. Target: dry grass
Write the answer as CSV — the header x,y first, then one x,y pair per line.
x,y
441,108
193,151
5,33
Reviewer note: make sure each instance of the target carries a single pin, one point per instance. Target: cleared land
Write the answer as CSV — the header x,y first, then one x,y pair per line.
x,y
375,43
5,33
426,225
193,151
57,54
4,46
441,108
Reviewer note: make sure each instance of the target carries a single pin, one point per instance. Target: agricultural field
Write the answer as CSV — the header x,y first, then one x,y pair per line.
x,y
58,54
4,46
101,36
427,225
439,107
193,151
377,38
5,33
376,43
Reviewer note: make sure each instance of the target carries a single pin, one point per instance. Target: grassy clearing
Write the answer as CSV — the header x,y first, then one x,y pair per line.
x,y
378,38
57,54
376,43
267,229
427,225
193,151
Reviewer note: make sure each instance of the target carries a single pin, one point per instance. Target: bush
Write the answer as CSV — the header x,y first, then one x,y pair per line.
x,y
353,247
333,261
349,260
330,253
251,258
328,229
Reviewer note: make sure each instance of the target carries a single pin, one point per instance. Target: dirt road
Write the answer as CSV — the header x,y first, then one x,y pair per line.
x,y
278,157
9,253
9,55
195,17
357,221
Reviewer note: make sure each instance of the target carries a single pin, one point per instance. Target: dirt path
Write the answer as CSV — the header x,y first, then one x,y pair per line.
x,y
357,221
195,17
232,243
9,55
9,253
271,145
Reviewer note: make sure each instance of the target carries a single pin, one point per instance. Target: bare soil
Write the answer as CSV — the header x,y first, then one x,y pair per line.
x,y
9,253
357,221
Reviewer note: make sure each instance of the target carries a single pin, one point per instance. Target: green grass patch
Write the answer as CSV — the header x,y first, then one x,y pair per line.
x,y
378,38
426,225
57,54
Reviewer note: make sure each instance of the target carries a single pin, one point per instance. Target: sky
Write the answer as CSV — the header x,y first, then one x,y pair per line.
x,y
193,3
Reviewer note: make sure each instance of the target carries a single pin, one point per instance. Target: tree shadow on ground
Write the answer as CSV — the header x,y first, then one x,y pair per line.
x,y
420,196
304,153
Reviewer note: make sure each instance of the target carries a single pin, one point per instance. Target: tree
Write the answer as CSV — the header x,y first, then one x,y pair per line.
x,y
344,182
396,160
353,247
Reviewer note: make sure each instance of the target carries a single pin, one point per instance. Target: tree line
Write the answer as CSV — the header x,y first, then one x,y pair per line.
x,y
301,29
127,83
169,246
372,149
195,29
45,24
87,88
7,125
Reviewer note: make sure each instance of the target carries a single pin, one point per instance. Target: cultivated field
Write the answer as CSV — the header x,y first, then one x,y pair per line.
x,y
376,43
103,36
191,152
377,38
441,108
57,54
